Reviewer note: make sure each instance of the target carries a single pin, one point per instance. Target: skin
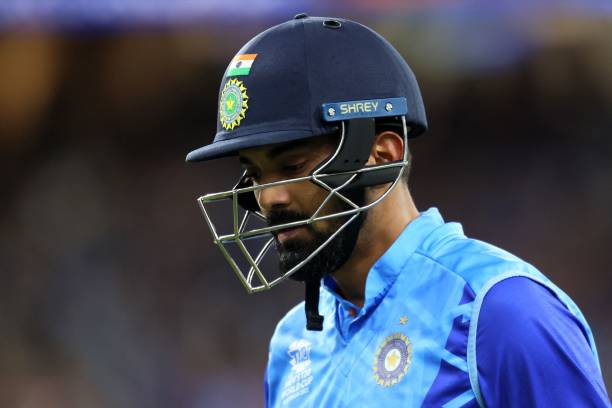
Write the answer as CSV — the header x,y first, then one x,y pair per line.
x,y
384,223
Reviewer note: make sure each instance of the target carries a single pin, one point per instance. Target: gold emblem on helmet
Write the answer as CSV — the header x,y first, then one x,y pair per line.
x,y
233,104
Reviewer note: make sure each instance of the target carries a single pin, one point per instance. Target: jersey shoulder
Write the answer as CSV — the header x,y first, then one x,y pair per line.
x,y
523,327
475,261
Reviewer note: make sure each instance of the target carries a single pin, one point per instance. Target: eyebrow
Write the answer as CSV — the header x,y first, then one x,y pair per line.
x,y
280,149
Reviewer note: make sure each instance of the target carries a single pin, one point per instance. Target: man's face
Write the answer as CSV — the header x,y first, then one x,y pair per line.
x,y
298,201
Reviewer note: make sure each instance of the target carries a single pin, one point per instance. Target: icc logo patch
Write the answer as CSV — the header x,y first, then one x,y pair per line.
x,y
299,379
392,360
233,104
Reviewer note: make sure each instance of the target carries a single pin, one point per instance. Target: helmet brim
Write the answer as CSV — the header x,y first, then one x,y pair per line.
x,y
231,147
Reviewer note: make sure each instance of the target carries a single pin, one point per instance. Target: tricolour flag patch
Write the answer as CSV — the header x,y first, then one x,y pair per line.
x,y
241,65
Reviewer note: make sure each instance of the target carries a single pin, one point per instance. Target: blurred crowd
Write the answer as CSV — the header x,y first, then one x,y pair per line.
x,y
112,293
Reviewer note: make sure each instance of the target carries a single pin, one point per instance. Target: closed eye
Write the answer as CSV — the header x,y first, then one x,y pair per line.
x,y
293,168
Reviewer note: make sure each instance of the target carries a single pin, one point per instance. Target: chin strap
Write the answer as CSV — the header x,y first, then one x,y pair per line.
x,y
314,321
351,156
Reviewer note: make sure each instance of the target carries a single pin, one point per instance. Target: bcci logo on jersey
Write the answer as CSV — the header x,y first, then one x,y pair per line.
x,y
392,360
299,379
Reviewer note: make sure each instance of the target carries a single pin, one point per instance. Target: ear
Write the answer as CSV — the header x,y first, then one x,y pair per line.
x,y
388,146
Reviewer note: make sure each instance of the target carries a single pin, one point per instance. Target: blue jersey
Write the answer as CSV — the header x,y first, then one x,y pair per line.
x,y
447,321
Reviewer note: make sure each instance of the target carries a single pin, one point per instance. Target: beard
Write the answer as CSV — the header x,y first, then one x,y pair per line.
x,y
330,258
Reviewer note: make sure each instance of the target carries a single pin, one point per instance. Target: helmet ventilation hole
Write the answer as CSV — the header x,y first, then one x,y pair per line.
x,y
332,24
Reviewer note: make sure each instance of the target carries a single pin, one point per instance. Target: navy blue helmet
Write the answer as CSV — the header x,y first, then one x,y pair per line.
x,y
307,77
297,67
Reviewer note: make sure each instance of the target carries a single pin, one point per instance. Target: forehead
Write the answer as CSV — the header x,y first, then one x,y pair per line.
x,y
312,146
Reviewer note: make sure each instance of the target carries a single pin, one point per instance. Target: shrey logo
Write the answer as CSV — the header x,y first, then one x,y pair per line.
x,y
392,360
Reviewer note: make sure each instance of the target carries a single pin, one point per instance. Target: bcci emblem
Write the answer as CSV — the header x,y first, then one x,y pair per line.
x,y
233,104
392,360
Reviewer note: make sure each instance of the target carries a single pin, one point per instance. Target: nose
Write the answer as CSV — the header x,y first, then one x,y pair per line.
x,y
273,198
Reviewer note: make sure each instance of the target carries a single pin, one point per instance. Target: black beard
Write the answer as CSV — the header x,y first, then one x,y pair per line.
x,y
329,259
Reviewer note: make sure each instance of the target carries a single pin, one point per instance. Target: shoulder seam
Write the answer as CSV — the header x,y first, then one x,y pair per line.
x,y
446,268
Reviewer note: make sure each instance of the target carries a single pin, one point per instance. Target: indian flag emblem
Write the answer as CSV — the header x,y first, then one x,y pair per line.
x,y
241,65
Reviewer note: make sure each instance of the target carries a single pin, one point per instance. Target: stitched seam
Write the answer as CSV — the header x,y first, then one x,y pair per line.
x,y
446,268
308,71
264,132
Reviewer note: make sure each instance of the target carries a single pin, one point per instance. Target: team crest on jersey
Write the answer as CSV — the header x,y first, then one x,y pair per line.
x,y
233,104
392,360
299,379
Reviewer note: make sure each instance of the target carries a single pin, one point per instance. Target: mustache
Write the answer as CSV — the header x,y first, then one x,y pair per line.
x,y
278,217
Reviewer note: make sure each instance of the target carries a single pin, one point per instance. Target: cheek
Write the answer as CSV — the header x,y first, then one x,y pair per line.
x,y
307,197
333,206
316,197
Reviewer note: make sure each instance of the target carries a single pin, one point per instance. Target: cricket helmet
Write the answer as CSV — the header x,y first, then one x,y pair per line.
x,y
307,77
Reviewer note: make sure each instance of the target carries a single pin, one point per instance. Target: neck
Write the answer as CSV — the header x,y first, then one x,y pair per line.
x,y
384,223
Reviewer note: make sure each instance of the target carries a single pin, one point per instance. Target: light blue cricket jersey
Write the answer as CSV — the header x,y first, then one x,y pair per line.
x,y
413,343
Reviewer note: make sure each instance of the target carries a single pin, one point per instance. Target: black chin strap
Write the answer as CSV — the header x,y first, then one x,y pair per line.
x,y
353,155
314,321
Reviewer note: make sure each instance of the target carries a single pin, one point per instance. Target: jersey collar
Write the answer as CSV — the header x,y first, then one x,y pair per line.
x,y
384,272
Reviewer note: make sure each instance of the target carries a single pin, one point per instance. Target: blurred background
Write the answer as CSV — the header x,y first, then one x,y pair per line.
x,y
112,294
